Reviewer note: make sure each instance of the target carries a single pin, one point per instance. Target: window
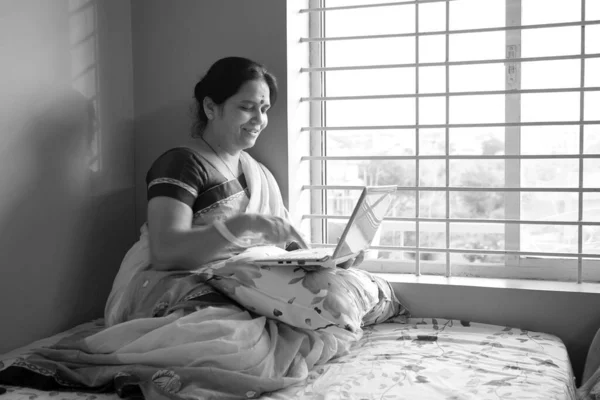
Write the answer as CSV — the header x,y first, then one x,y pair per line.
x,y
486,114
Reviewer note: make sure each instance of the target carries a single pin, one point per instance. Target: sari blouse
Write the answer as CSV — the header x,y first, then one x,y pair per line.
x,y
183,174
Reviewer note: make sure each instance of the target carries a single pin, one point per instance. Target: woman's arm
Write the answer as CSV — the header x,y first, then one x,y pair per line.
x,y
176,243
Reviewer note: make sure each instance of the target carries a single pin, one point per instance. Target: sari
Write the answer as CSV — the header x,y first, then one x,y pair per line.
x,y
170,335
135,274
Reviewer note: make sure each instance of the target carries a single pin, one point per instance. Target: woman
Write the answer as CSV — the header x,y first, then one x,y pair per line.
x,y
168,333
207,200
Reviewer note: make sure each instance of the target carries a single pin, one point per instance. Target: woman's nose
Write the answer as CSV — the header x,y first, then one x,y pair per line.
x,y
259,117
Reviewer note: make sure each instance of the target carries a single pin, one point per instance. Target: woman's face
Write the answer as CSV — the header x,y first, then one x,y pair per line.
x,y
242,117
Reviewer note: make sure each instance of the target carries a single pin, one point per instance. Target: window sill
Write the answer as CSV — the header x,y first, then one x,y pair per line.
x,y
522,284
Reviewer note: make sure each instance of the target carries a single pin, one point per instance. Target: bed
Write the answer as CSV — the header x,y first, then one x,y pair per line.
x,y
411,358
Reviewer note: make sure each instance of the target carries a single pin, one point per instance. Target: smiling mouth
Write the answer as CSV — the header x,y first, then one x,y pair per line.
x,y
252,131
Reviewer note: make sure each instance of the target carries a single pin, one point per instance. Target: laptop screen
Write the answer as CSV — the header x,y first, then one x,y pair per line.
x,y
365,220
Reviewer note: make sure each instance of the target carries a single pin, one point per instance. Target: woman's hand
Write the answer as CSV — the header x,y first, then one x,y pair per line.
x,y
353,262
273,229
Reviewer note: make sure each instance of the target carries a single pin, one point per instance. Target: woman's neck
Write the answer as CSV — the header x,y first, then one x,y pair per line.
x,y
213,147
220,146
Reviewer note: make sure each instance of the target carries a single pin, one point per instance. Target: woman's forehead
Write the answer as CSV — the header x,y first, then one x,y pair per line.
x,y
256,91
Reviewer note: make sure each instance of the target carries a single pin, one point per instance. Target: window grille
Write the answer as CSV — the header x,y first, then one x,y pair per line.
x,y
485,114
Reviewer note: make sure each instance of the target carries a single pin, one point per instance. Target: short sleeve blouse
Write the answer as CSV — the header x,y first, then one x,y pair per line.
x,y
183,174
178,173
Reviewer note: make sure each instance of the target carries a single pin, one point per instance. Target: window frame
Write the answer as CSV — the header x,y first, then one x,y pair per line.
x,y
518,264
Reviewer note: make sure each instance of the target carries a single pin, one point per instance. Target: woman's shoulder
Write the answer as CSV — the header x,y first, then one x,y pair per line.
x,y
178,160
181,154
181,151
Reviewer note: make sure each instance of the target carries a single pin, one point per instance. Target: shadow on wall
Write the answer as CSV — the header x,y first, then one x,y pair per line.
x,y
43,213
155,133
52,229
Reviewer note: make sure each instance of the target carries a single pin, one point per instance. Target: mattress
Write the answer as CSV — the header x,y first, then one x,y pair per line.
x,y
420,359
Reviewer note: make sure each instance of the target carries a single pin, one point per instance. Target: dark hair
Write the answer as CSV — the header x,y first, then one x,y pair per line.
x,y
224,79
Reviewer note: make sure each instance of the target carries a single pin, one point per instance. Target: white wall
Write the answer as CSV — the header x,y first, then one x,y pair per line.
x,y
63,227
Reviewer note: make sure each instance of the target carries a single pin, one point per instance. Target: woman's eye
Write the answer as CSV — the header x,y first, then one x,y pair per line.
x,y
246,108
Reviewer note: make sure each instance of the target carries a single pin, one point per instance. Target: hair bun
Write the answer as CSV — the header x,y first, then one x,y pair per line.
x,y
200,90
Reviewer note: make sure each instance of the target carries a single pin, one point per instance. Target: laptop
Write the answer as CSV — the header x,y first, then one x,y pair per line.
x,y
372,206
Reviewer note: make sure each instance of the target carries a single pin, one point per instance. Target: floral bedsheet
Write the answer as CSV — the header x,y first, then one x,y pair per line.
x,y
413,359
446,360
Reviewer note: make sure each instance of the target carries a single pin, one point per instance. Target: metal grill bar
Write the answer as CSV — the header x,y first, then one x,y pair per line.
x,y
462,220
417,164
358,6
581,150
447,138
460,189
453,94
317,111
455,157
478,251
490,125
451,63
449,32
497,252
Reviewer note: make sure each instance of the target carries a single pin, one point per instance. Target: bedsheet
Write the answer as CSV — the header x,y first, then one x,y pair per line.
x,y
414,359
445,360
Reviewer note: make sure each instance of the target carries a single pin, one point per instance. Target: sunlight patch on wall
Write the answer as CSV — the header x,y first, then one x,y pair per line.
x,y
83,40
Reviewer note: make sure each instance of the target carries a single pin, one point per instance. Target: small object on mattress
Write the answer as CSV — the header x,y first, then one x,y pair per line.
x,y
420,359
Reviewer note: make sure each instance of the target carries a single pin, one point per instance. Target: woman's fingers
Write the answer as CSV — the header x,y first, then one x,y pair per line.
x,y
359,259
300,239
289,233
279,230
353,262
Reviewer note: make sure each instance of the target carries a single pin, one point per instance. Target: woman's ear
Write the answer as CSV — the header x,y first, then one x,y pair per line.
x,y
210,108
